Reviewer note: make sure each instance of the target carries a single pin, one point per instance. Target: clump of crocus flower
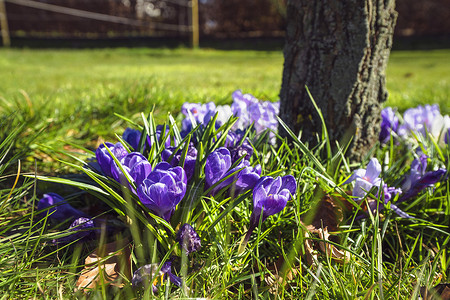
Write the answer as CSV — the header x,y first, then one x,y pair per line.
x,y
366,179
417,180
418,121
251,110
248,109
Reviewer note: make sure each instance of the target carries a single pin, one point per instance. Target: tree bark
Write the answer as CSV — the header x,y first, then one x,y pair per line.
x,y
339,49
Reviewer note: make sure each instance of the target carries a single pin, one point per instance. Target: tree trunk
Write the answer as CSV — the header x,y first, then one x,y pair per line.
x,y
339,49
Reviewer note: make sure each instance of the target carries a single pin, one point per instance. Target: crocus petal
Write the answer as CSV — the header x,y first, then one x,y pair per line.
x,y
259,194
373,170
132,137
247,180
217,164
58,208
274,188
362,187
356,174
400,212
264,183
425,181
288,182
273,204
140,171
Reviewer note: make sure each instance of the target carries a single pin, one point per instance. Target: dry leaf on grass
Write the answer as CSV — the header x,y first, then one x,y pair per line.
x,y
276,279
106,265
331,250
441,291
326,217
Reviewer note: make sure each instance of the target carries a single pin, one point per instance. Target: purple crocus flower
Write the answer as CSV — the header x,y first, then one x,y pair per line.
x,y
418,169
188,239
365,179
163,189
189,162
135,164
132,137
143,275
419,179
427,180
389,122
241,150
250,110
245,179
217,165
270,196
105,160
82,228
58,208
447,137
419,119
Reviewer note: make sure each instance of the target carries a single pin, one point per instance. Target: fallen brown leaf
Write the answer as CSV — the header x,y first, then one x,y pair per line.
x,y
331,250
276,279
441,291
319,221
106,265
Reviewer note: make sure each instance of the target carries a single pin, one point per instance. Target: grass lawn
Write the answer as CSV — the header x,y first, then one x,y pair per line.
x,y
52,98
76,92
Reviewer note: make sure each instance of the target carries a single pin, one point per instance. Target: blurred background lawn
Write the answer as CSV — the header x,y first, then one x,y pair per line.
x,y
168,77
